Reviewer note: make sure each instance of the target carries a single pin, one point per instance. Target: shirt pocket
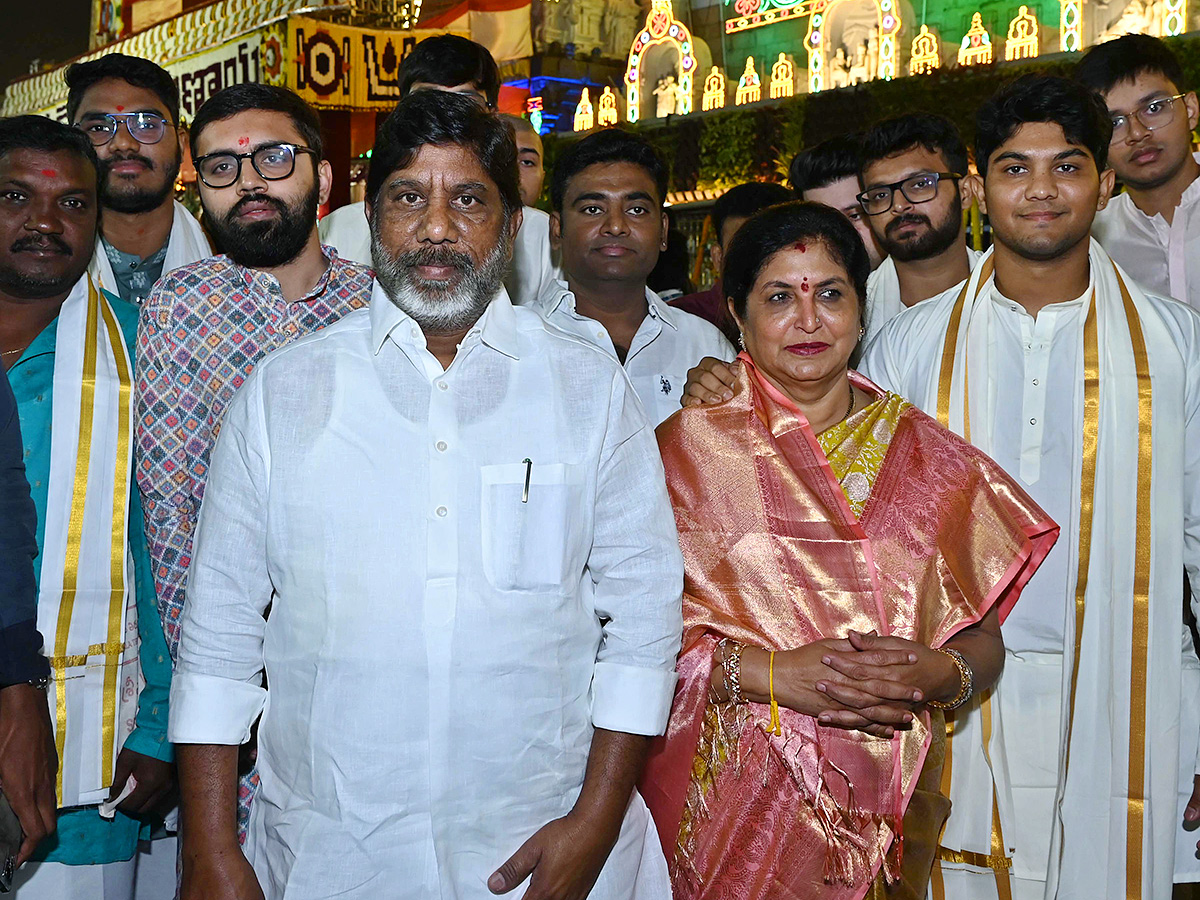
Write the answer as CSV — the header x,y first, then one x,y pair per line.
x,y
529,544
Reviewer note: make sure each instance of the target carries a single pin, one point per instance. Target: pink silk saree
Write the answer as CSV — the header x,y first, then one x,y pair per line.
x,y
774,557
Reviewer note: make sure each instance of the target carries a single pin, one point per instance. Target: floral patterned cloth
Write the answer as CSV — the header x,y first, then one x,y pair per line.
x,y
856,447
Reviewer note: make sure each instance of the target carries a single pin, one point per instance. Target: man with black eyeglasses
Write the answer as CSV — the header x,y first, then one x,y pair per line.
x,y
129,109
259,157
1153,228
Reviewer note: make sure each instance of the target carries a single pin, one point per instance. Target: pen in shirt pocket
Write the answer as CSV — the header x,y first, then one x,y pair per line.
x,y
528,471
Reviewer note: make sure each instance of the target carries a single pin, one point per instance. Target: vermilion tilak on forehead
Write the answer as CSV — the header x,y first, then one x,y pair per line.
x,y
800,245
120,108
243,141
50,173
804,284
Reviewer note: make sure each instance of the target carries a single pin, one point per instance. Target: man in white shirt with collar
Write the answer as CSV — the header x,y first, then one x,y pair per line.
x,y
1153,228
458,517
1074,778
609,227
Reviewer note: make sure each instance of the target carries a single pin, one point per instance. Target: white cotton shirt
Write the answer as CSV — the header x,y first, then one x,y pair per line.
x,y
667,343
532,272
1163,258
441,643
883,294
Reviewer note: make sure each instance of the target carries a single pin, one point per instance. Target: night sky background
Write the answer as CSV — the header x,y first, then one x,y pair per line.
x,y
50,30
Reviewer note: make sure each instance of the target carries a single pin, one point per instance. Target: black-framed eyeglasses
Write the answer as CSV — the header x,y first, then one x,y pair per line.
x,y
919,188
273,162
1153,115
143,127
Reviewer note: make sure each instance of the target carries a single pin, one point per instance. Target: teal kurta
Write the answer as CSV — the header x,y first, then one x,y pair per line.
x,y
83,838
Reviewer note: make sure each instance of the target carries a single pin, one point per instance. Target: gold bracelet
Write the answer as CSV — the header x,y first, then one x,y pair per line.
x,y
966,680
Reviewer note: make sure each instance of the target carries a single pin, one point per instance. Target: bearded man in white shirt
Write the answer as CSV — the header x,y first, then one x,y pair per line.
x,y
1074,778
1153,228
610,227
459,520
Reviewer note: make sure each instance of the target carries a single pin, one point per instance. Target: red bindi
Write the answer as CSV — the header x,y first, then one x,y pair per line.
x,y
50,173
120,109
243,141
799,245
804,285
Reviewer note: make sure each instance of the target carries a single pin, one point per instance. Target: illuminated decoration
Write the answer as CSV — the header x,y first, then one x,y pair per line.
x,y
925,55
608,108
1022,42
976,46
749,89
753,13
783,78
1069,21
533,107
584,116
714,90
1175,17
661,28
888,28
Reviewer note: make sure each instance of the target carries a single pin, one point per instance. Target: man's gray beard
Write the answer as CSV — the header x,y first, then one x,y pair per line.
x,y
439,308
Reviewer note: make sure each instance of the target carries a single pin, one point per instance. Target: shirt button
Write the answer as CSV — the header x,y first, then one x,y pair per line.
x,y
442,511
443,386
1035,381
416,332
1033,421
600,334
441,445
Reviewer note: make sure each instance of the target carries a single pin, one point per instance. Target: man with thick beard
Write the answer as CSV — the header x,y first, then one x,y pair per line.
x,y
458,516
129,109
206,325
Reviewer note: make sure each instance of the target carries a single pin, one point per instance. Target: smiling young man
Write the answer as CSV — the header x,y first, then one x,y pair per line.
x,y
1153,228
206,325
609,227
68,349
459,519
1074,778
129,109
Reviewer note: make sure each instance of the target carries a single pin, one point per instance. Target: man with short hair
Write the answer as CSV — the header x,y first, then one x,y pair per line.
x,y
1073,778
129,109
455,509
828,173
68,349
610,227
206,325
729,213
453,64
1153,228
530,164
914,196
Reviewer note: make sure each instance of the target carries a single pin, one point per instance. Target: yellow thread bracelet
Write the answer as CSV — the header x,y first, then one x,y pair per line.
x,y
775,728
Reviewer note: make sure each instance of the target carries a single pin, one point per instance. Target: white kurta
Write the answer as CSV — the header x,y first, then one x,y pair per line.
x,y
667,343
186,244
440,644
533,270
1035,432
1163,258
883,294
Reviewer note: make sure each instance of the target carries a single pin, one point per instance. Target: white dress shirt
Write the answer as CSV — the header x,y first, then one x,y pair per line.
x,y
468,571
532,272
1163,258
883,294
667,343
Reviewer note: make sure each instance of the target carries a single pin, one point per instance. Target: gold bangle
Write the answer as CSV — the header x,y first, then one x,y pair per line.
x,y
966,680
775,728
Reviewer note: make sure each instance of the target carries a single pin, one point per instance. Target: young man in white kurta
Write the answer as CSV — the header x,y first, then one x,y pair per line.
x,y
462,527
1153,228
1021,352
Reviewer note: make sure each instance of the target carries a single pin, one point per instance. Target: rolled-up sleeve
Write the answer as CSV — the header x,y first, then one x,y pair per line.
x,y
637,569
217,692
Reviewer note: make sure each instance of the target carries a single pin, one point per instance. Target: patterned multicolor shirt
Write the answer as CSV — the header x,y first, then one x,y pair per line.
x,y
203,329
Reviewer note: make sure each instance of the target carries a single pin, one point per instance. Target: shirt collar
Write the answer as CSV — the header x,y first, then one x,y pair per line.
x,y
1000,299
251,277
559,294
497,327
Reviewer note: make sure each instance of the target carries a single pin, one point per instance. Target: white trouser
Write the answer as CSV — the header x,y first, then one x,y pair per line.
x,y
150,875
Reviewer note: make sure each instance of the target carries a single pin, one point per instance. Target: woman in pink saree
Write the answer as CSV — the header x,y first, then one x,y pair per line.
x,y
848,562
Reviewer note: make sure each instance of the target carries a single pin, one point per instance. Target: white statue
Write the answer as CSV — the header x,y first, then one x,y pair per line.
x,y
839,69
872,56
858,69
1139,17
666,92
617,30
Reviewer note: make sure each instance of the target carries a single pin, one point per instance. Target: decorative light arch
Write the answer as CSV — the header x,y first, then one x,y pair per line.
x,y
889,29
661,28
714,90
783,78
584,114
925,53
1022,42
1070,22
1175,17
749,89
976,46
533,106
608,108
